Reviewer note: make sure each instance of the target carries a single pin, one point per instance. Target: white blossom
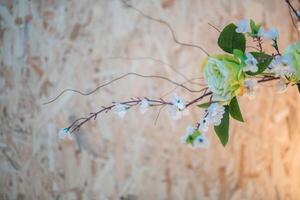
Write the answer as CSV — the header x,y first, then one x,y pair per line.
x,y
212,116
177,101
201,142
250,87
281,86
144,106
121,110
280,66
204,123
251,63
215,114
272,34
242,26
189,131
63,133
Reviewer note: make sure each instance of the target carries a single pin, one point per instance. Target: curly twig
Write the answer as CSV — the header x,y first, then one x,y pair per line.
x,y
118,78
158,61
167,25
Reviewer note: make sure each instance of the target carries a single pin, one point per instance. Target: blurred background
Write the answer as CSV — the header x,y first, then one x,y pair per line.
x,y
50,45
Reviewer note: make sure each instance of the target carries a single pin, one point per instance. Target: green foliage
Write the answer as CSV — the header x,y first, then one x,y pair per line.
x,y
234,110
222,129
239,54
193,136
229,39
254,27
264,61
204,105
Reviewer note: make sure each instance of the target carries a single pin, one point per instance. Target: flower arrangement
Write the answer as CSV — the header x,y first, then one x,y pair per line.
x,y
235,73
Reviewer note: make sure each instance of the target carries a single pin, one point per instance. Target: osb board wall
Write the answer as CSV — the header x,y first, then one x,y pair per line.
x,y
47,46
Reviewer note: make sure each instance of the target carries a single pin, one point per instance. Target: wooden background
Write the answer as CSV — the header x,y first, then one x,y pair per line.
x,y
49,45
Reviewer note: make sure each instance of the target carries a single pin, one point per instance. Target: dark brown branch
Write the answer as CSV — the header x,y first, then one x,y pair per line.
x,y
293,9
294,24
75,126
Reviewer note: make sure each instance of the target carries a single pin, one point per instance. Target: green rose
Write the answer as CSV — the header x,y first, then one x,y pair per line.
x,y
293,55
224,76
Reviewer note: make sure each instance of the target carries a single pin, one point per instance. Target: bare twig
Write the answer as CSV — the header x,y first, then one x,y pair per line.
x,y
294,24
158,114
259,42
158,61
167,25
118,78
293,9
214,27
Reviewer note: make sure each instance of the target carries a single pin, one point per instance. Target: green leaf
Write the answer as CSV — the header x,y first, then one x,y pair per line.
x,y
204,105
193,136
254,27
239,54
234,110
264,61
229,39
222,129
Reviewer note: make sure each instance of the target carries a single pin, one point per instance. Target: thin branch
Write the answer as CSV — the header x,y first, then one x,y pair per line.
x,y
293,9
294,24
167,25
253,48
158,114
155,60
118,78
266,79
214,27
75,126
259,41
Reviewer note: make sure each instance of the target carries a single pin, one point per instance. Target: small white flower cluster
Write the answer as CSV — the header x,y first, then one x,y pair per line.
x,y
177,107
64,133
177,101
243,27
281,86
250,86
272,34
121,109
199,142
144,106
281,67
251,63
211,116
